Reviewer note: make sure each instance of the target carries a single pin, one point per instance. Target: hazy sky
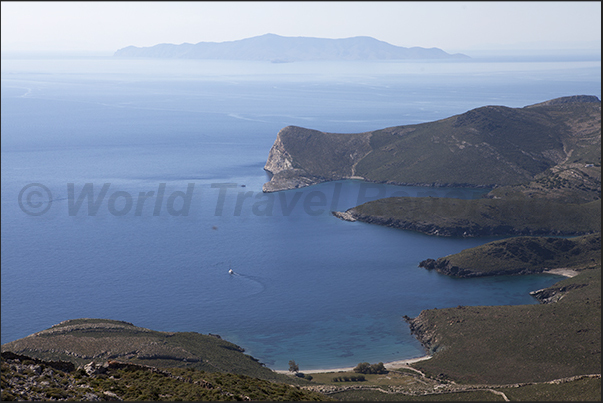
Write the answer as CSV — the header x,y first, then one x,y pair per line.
x,y
451,26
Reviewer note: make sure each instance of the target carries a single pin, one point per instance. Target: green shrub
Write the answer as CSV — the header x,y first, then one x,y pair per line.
x,y
366,368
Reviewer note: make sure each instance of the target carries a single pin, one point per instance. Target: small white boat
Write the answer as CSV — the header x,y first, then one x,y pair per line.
x,y
230,271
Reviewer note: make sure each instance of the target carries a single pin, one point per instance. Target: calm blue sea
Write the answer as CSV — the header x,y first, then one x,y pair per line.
x,y
164,164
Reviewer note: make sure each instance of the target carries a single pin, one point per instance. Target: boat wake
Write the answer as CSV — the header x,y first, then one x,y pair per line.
x,y
253,281
248,281
248,284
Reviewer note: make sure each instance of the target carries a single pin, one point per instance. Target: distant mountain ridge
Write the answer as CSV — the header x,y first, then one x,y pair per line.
x,y
276,48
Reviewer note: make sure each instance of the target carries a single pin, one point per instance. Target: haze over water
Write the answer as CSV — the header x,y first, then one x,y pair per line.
x,y
306,286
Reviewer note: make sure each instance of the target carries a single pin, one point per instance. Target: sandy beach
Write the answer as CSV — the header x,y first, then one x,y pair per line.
x,y
388,365
562,272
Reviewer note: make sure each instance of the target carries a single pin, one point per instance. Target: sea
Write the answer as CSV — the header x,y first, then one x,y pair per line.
x,y
131,188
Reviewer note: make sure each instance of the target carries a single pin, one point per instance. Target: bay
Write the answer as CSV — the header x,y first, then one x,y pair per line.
x,y
306,286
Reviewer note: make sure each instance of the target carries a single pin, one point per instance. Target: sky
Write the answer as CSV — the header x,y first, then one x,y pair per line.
x,y
451,26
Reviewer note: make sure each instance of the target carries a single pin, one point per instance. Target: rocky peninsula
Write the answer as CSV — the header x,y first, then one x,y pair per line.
x,y
545,145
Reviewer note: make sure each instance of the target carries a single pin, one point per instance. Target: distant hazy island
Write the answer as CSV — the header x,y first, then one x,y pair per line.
x,y
282,49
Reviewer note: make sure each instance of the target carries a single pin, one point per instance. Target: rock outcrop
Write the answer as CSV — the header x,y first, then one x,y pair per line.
x,y
424,332
553,294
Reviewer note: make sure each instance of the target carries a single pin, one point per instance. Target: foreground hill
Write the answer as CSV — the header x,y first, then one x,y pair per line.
x,y
83,340
277,48
31,379
553,145
524,343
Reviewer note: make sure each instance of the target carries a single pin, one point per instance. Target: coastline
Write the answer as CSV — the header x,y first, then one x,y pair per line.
x,y
388,365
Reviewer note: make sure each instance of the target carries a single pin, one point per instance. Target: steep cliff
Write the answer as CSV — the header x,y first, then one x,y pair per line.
x,y
302,157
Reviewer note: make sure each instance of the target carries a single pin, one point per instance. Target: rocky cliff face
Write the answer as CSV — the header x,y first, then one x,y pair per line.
x,y
280,166
424,331
302,157
278,158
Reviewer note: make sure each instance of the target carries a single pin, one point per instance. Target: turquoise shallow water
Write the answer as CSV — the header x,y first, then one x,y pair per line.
x,y
306,286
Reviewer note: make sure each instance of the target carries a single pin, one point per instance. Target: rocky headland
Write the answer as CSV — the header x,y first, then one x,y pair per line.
x,y
451,217
302,157
551,149
520,255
